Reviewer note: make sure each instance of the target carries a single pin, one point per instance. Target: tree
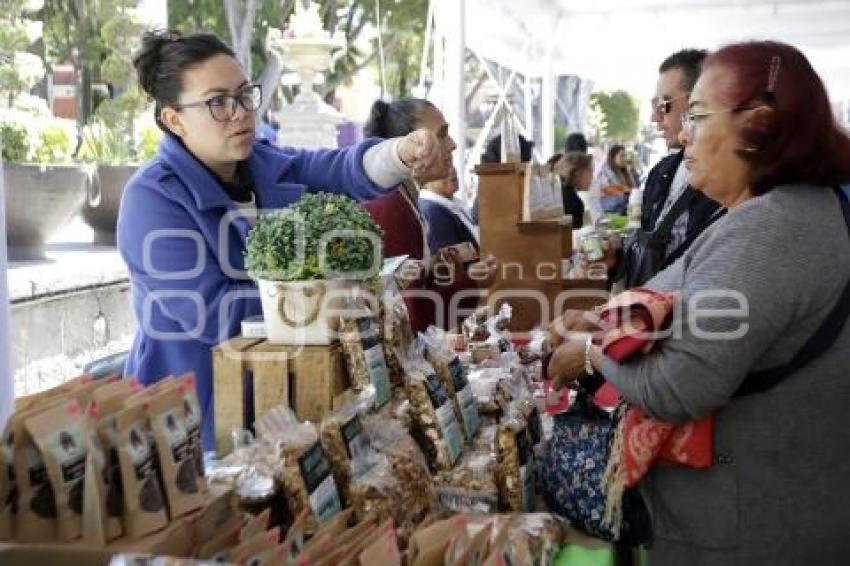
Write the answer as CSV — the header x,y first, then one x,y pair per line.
x,y
19,70
403,29
73,31
621,114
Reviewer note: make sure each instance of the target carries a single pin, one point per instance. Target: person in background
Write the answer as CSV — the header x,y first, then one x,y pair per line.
x,y
575,170
776,492
185,215
576,141
493,150
406,230
613,182
667,182
449,223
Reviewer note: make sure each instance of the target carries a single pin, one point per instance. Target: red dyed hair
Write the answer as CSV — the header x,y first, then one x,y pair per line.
x,y
799,140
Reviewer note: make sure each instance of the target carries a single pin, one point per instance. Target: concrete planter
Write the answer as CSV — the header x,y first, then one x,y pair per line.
x,y
101,208
40,201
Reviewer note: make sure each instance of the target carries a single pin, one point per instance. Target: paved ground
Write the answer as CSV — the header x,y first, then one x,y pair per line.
x,y
67,310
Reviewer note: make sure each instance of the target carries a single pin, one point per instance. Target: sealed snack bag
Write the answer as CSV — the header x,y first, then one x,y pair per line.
x,y
364,351
515,466
345,439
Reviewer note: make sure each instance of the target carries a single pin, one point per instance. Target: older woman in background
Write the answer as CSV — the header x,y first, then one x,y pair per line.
x,y
761,140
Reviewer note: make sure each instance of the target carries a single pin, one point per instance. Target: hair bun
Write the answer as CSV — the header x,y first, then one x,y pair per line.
x,y
376,125
147,59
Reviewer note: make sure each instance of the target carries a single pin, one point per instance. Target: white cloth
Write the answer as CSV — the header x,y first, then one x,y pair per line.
x,y
455,207
7,385
383,166
679,230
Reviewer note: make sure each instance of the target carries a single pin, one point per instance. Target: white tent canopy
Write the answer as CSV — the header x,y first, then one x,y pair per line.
x,y
620,43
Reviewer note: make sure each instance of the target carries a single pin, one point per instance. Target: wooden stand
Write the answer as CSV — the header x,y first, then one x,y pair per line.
x,y
306,378
531,254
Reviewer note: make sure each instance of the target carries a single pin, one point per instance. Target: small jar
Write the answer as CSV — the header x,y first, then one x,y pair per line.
x,y
591,245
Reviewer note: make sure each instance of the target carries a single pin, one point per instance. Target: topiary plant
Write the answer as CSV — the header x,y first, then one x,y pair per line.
x,y
15,142
306,226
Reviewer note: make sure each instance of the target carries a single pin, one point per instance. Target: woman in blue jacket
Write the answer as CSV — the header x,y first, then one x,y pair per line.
x,y
186,214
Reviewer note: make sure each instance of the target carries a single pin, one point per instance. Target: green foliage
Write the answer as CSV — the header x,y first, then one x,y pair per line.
x,y
621,114
15,142
106,145
55,146
149,139
273,243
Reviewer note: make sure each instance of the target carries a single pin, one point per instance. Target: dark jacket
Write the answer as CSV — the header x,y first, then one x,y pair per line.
x,y
429,299
658,187
573,205
444,227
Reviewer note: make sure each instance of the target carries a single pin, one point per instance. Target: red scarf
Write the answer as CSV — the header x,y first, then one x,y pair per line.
x,y
629,321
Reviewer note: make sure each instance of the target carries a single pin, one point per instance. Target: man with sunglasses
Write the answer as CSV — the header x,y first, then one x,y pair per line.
x,y
672,212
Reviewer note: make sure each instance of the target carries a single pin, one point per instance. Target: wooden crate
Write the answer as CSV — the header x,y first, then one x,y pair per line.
x,y
306,378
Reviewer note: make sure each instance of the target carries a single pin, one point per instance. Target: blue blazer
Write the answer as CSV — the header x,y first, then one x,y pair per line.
x,y
184,245
444,227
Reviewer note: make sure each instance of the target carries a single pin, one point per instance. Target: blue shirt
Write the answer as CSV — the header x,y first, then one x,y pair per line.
x,y
183,242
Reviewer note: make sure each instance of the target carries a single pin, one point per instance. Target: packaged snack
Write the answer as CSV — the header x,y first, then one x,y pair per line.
x,y
144,503
364,351
453,376
408,465
304,472
35,519
515,466
471,486
344,439
432,413
485,388
59,435
396,330
8,485
256,550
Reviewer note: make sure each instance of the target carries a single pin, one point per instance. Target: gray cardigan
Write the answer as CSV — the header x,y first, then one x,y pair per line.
x,y
779,492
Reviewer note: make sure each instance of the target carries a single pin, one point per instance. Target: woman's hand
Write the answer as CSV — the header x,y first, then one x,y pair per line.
x,y
572,321
484,272
423,153
567,363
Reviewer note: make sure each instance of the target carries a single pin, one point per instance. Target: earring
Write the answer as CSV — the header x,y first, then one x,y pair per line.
x,y
750,149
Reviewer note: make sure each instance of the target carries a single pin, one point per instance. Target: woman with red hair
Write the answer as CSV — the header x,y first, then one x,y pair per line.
x,y
763,344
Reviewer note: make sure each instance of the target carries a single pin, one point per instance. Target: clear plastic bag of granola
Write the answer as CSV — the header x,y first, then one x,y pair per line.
x,y
471,486
344,437
546,533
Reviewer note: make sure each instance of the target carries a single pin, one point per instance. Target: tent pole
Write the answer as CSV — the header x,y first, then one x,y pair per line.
x,y
7,386
453,22
548,106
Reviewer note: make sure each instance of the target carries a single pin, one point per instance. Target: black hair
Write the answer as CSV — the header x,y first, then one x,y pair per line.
x,y
690,62
576,142
395,119
493,150
164,56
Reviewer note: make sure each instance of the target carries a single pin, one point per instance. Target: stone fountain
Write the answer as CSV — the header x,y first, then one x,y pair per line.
x,y
306,48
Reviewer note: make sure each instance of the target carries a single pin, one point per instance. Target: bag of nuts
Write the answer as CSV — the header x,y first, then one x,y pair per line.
x,y
396,330
361,341
515,466
470,487
345,439
304,470
453,375
409,466
432,412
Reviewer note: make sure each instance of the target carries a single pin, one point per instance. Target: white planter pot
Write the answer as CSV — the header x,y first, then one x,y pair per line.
x,y
303,313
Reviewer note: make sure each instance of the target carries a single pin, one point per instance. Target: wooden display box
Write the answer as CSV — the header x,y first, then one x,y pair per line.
x,y
531,254
306,378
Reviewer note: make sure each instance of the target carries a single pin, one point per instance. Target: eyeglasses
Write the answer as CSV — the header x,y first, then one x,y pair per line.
x,y
222,107
665,106
689,119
